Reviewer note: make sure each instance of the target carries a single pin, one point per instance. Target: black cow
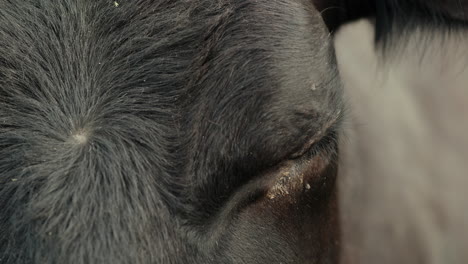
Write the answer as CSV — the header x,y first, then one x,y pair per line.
x,y
167,132
188,131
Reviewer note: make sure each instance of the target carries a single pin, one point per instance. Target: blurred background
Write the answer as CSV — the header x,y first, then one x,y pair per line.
x,y
403,178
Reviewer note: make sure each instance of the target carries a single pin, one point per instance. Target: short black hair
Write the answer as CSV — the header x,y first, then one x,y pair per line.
x,y
123,122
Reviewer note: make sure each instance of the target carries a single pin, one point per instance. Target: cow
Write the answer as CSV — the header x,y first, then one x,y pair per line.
x,y
167,132
200,131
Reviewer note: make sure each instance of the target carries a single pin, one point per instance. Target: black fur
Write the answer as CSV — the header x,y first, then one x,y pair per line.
x,y
139,131
127,126
396,17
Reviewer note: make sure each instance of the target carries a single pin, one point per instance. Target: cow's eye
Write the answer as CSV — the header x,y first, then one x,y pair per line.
x,y
302,179
306,173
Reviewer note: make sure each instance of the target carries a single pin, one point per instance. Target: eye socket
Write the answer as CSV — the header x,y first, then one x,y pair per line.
x,y
283,183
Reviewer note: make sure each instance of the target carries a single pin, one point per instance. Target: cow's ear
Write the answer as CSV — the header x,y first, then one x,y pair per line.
x,y
337,12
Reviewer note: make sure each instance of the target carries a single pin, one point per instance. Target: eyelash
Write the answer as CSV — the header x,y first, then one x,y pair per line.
x,y
326,145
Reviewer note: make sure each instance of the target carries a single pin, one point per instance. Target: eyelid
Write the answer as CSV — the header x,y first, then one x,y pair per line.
x,y
325,144
328,130
317,157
